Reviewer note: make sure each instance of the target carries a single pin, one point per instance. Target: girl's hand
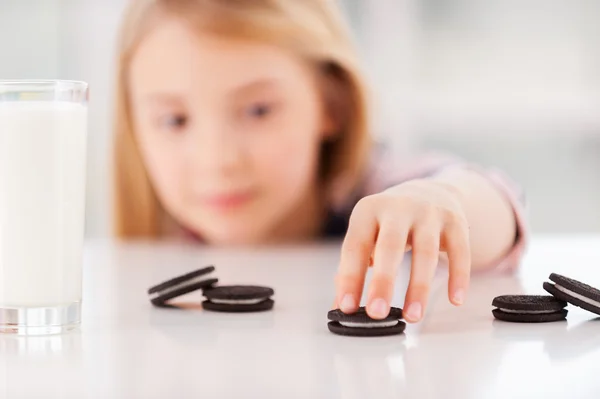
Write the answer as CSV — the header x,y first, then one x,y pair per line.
x,y
424,215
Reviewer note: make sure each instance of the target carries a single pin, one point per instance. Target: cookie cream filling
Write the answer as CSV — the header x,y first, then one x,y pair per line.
x,y
528,311
378,324
578,296
175,287
238,301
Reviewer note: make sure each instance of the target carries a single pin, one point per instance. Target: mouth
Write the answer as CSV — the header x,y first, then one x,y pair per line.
x,y
227,201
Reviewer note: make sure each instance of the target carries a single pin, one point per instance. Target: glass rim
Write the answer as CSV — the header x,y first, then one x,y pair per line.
x,y
16,83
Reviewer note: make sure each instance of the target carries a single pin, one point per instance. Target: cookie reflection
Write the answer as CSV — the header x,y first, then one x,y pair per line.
x,y
370,367
574,342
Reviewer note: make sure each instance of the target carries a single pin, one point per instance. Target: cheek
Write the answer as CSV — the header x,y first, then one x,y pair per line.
x,y
289,160
163,165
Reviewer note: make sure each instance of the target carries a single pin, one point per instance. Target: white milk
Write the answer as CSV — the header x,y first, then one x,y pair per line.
x,y
42,190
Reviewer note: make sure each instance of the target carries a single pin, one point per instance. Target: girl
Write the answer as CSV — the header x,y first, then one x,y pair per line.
x,y
245,122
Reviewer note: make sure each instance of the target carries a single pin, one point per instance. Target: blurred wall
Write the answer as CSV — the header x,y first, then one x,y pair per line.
x,y
507,83
26,25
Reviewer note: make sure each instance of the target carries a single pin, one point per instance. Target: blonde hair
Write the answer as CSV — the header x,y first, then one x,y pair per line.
x,y
311,28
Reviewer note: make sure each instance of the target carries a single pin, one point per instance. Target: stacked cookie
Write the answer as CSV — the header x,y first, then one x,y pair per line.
x,y
227,298
359,324
547,308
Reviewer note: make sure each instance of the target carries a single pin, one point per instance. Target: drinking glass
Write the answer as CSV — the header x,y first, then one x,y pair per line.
x,y
43,129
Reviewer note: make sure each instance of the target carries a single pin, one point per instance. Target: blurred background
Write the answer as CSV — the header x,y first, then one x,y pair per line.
x,y
513,84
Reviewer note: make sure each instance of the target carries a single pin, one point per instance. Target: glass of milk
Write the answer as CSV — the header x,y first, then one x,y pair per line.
x,y
43,128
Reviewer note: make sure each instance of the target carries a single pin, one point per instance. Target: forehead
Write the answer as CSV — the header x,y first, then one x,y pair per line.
x,y
174,57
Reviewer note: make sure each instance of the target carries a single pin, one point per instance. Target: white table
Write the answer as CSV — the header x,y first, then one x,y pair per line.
x,y
126,348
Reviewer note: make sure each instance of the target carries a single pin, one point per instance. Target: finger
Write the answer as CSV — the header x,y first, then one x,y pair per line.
x,y
356,251
426,248
455,240
389,251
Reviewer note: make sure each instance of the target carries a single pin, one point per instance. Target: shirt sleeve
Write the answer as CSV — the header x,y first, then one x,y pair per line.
x,y
387,174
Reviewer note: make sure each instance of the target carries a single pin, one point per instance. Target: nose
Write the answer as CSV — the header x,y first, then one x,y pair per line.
x,y
215,150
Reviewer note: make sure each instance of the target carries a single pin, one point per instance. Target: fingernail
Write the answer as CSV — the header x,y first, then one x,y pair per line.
x,y
379,308
348,303
413,312
459,297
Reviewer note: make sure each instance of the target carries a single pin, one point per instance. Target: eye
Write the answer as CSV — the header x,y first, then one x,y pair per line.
x,y
259,110
174,122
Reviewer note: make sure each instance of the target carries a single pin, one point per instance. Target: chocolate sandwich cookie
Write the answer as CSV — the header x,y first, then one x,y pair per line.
x,y
238,298
574,292
529,308
359,324
181,285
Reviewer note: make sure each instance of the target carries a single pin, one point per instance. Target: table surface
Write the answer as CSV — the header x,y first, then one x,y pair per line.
x,y
125,348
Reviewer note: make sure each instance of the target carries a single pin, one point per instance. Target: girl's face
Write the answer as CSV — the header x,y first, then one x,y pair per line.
x,y
229,132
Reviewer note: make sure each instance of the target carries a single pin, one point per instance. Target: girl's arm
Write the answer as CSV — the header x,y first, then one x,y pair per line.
x,y
490,215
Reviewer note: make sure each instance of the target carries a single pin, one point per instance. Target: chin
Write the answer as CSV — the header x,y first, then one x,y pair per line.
x,y
250,227
233,235
233,241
